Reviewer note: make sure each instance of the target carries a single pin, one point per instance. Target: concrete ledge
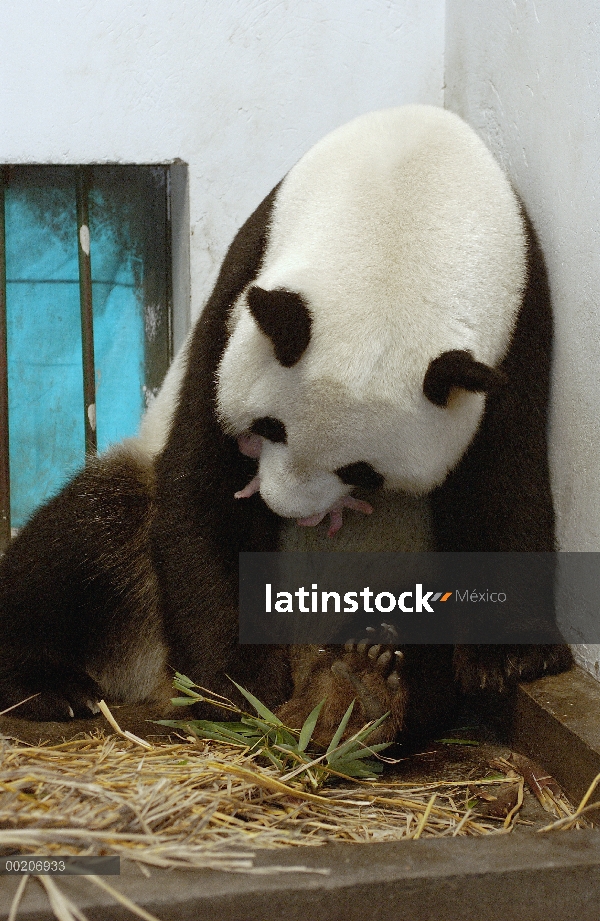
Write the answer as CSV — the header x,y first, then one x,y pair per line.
x,y
556,722
538,878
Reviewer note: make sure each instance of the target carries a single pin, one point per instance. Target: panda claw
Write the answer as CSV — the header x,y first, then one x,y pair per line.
x,y
349,645
374,652
390,631
384,659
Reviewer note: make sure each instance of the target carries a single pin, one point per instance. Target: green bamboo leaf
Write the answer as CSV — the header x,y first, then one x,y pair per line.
x,y
366,731
285,737
360,769
205,734
183,680
258,706
263,726
358,753
309,726
183,701
274,759
340,730
240,728
357,739
275,734
222,732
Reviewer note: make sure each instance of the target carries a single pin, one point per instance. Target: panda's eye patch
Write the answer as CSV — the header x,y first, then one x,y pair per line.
x,y
360,474
269,428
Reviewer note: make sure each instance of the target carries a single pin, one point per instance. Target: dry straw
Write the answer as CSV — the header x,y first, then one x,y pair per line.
x,y
205,804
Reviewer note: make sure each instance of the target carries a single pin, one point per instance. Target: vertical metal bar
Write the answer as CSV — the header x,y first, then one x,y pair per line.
x,y
169,265
4,444
87,320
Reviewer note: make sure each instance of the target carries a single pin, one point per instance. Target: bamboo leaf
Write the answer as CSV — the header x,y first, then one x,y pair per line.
x,y
206,734
340,730
221,732
274,759
183,680
258,706
309,726
358,753
360,769
357,739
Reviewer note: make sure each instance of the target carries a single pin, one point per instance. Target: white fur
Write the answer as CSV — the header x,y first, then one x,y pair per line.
x,y
405,239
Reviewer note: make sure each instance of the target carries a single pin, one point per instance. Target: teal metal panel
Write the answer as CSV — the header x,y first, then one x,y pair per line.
x,y
44,327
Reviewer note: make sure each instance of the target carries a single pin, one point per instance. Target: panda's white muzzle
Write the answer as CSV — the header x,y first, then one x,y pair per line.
x,y
294,495
290,494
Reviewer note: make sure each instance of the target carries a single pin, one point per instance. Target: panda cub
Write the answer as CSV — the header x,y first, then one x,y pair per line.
x,y
371,372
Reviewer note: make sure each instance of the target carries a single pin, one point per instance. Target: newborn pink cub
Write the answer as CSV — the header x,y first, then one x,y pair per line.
x,y
251,446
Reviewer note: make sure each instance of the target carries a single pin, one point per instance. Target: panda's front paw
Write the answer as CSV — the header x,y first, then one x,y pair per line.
x,y
67,694
496,669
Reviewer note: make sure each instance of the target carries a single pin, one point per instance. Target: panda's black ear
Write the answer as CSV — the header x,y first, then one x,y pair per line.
x,y
458,368
283,316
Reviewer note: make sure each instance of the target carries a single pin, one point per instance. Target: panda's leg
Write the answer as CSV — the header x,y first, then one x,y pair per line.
x,y
496,668
79,616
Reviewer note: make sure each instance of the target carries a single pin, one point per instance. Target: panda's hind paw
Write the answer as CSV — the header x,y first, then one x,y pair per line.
x,y
71,695
372,672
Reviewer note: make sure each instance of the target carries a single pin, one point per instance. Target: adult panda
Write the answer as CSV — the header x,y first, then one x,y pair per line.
x,y
374,325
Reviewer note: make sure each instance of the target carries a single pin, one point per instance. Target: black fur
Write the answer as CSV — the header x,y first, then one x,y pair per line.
x,y
270,428
284,317
458,369
498,498
77,587
360,474
199,528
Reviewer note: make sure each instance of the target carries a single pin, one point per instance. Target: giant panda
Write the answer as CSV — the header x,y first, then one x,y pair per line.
x,y
370,372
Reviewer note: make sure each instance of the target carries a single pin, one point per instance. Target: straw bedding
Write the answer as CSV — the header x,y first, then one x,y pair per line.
x,y
194,803
201,804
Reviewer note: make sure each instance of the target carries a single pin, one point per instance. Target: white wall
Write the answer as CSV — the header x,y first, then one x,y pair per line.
x,y
526,75
238,89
